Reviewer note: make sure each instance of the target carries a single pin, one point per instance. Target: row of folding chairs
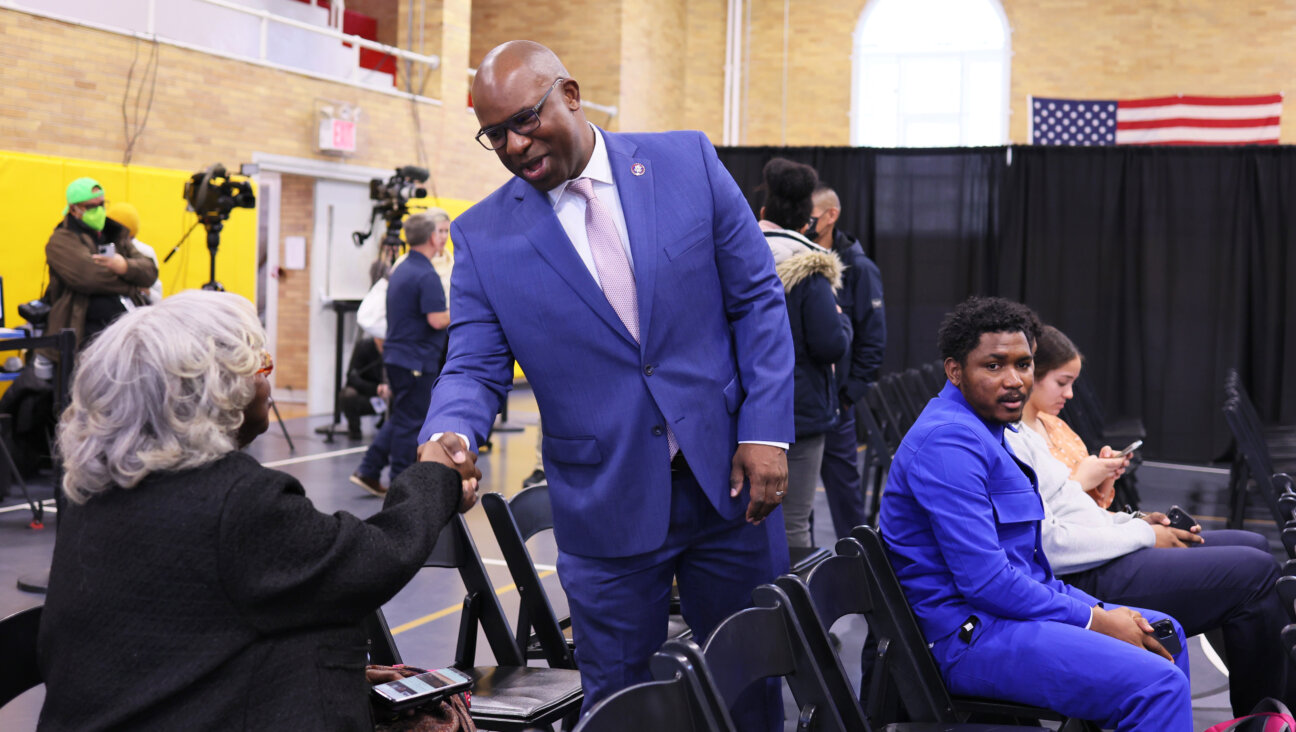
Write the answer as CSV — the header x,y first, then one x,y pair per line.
x,y
889,409
1259,452
785,635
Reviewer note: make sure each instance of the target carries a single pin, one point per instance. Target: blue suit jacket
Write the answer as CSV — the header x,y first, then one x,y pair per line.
x,y
961,516
714,362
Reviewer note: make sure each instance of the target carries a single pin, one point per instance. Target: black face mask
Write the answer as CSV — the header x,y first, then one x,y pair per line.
x,y
812,233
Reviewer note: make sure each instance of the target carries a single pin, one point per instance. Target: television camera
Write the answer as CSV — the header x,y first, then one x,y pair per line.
x,y
212,194
391,203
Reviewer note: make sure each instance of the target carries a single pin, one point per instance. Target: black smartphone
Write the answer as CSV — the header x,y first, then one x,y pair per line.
x,y
1164,632
415,691
1179,519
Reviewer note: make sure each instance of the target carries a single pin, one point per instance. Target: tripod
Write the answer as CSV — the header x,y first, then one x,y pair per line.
x,y
215,223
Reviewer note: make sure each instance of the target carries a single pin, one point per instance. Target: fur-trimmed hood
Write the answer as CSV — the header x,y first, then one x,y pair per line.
x,y
796,258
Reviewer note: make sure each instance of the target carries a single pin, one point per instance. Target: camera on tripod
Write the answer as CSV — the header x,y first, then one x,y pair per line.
x,y
391,202
212,194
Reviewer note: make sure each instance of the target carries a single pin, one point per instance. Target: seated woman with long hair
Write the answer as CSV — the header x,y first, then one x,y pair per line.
x,y
192,588
1225,581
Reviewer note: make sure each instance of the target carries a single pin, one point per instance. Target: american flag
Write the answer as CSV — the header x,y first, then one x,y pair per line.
x,y
1177,120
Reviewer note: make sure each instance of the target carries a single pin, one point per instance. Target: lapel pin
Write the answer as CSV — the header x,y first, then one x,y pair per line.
x,y
637,169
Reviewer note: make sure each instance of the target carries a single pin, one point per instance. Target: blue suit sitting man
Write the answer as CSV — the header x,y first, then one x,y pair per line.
x,y
961,518
627,276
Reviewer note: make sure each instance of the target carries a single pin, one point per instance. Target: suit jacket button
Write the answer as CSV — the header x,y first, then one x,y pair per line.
x,y
658,431
648,370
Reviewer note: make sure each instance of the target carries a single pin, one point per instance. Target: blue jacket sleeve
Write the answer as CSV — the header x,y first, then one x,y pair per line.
x,y
869,344
952,486
478,372
755,307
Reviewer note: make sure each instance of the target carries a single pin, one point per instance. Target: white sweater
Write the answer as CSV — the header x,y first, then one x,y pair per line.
x,y
1077,533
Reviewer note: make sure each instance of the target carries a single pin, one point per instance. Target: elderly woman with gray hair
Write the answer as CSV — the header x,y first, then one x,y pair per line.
x,y
192,588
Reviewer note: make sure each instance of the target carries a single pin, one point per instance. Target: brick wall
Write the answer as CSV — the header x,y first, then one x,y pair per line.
x,y
704,54
207,109
296,218
1081,48
585,35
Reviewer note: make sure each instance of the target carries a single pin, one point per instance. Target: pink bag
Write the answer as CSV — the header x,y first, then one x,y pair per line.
x,y
1270,715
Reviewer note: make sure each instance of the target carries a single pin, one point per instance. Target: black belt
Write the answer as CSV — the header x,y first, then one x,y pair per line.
x,y
679,464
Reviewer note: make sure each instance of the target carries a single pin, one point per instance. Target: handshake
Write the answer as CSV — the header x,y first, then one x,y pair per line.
x,y
449,450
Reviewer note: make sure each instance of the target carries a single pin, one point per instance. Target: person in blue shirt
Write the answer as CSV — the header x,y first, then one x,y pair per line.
x,y
417,317
961,518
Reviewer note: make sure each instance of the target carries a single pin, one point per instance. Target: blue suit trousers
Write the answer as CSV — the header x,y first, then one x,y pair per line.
x,y
619,606
1073,671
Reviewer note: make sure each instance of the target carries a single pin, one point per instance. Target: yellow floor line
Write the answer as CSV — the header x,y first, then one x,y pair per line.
x,y
452,609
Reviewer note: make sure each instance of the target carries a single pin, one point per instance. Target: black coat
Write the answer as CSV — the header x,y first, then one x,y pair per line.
x,y
820,335
218,598
860,298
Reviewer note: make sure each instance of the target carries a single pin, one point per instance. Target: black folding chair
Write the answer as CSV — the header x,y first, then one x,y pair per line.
x,y
934,372
681,698
510,695
1286,587
904,669
762,642
1253,469
836,589
18,669
1289,641
539,630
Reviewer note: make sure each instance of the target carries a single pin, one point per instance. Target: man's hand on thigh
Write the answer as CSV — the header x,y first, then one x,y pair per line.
x,y
1127,625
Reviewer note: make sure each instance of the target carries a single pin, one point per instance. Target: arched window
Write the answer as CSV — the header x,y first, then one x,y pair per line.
x,y
930,73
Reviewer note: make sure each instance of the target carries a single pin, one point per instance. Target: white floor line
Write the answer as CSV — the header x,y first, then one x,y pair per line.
x,y
312,458
502,563
48,503
1188,468
1213,657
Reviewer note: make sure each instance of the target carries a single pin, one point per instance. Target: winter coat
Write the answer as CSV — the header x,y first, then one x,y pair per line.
x,y
74,276
820,335
860,298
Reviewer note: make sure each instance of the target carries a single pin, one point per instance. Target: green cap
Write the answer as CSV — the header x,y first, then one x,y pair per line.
x,y
82,189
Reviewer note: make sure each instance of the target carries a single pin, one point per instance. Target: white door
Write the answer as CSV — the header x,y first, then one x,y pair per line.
x,y
339,270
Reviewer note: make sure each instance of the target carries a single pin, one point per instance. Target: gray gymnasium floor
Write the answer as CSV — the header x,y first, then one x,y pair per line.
x,y
424,616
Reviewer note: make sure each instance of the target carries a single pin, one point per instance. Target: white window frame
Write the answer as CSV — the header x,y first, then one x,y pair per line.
x,y
966,58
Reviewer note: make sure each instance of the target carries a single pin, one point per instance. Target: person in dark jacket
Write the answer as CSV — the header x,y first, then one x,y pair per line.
x,y
860,298
364,380
96,274
820,333
192,588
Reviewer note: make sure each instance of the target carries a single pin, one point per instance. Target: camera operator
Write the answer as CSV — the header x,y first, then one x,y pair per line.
x,y
417,318
96,274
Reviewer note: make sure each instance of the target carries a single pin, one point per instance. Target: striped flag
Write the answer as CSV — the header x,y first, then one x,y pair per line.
x,y
1177,120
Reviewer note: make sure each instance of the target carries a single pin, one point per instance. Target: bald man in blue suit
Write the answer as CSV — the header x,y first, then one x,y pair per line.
x,y
665,424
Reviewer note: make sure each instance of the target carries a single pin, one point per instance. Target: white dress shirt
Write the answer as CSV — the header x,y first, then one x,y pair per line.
x,y
570,207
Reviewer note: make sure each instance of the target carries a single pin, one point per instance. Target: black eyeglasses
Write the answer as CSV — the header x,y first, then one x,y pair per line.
x,y
524,123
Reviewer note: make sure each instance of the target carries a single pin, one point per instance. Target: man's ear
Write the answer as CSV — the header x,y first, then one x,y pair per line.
x,y
954,371
571,92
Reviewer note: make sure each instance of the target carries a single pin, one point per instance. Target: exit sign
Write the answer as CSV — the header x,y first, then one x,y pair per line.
x,y
337,135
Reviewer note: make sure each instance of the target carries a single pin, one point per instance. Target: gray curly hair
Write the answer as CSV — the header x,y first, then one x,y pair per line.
x,y
162,388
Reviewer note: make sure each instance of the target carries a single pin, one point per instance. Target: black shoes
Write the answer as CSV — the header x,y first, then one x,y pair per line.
x,y
535,478
373,485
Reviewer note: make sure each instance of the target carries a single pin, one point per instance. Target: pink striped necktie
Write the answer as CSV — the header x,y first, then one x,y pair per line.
x,y
613,266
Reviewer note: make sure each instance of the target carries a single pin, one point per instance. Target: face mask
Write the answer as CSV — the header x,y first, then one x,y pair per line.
x,y
812,233
95,217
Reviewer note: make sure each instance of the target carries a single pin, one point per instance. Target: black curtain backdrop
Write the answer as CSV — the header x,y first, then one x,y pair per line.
x,y
1166,266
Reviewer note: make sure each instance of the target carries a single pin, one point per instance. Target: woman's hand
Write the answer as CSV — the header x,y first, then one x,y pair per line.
x,y
1093,471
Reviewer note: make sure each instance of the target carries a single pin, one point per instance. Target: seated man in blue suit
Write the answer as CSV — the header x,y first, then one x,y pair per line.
x,y
628,277
961,517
